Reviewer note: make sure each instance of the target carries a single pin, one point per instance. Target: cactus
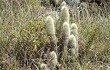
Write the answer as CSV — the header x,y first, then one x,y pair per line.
x,y
74,31
50,28
50,25
65,31
72,45
74,28
72,41
53,58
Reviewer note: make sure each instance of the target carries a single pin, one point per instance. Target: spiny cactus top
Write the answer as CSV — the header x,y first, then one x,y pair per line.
x,y
63,3
53,55
50,25
74,29
74,26
65,29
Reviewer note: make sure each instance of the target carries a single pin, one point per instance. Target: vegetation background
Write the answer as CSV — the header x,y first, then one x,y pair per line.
x,y
23,36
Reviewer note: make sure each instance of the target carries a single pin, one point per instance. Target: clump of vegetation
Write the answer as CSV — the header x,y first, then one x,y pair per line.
x,y
25,43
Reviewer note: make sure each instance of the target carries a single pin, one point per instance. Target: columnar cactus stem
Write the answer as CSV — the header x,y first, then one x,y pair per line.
x,y
50,25
65,32
53,58
50,28
74,31
72,45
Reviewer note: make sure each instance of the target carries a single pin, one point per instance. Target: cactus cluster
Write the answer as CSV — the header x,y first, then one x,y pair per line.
x,y
68,32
